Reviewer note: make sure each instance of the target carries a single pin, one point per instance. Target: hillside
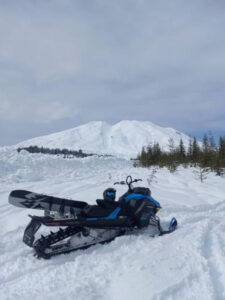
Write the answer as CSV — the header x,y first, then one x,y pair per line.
x,y
124,139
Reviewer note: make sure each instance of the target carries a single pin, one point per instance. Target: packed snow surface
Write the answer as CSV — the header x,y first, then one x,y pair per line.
x,y
125,138
187,264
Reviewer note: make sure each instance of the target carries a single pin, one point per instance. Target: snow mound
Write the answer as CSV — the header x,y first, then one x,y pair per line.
x,y
124,139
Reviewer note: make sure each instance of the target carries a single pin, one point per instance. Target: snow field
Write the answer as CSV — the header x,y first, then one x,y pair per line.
x,y
187,264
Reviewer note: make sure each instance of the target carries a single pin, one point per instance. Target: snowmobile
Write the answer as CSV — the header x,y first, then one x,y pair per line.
x,y
83,225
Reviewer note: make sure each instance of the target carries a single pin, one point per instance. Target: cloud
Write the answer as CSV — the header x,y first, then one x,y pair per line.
x,y
34,111
69,62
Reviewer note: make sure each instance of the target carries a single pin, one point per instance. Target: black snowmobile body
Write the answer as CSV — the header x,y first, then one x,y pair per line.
x,y
134,210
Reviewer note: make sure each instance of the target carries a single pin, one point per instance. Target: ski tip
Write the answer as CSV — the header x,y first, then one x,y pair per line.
x,y
173,224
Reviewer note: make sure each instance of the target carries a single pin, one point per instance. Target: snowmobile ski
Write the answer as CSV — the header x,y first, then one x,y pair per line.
x,y
171,228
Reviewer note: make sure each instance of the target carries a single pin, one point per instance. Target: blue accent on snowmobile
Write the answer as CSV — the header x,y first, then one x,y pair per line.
x,y
173,223
114,214
140,196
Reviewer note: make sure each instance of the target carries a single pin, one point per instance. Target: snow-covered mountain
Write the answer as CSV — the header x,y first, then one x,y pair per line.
x,y
125,138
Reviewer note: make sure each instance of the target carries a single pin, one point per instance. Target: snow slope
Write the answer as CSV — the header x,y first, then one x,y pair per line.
x,y
188,264
125,138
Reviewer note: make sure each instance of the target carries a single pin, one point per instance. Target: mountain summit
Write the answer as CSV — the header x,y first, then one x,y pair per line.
x,y
125,138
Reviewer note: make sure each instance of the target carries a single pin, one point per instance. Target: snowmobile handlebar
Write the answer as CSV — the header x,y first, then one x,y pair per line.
x,y
120,182
128,181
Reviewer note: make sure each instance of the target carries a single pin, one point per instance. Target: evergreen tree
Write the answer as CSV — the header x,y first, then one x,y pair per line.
x,y
156,154
208,157
212,143
181,152
190,151
205,153
171,145
213,152
195,152
143,158
222,151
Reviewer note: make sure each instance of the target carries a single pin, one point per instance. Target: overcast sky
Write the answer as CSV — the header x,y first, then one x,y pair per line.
x,y
67,62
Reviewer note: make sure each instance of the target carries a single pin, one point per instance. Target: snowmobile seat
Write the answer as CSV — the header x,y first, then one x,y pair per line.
x,y
107,203
93,211
102,209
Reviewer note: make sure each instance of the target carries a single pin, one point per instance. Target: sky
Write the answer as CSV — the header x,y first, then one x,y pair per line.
x,y
67,62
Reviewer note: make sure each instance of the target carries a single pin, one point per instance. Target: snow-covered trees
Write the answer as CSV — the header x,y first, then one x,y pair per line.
x,y
207,156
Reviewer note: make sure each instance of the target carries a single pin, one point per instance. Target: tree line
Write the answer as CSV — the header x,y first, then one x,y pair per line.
x,y
208,155
65,152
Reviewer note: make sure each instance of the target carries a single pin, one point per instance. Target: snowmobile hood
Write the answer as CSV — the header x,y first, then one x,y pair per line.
x,y
140,196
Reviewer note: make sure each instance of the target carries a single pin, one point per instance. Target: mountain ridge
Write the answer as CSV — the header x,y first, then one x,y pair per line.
x,y
125,138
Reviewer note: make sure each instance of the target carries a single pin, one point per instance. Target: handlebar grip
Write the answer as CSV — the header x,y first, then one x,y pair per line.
x,y
121,182
136,180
